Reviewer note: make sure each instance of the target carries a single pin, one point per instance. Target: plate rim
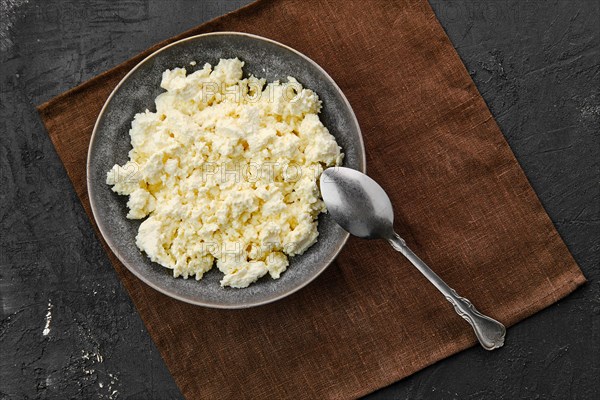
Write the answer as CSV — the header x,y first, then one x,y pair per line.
x,y
100,224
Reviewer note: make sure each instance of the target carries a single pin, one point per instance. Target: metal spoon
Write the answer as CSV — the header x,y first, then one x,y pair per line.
x,y
360,206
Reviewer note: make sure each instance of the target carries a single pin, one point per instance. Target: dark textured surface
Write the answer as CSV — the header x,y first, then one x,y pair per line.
x,y
537,65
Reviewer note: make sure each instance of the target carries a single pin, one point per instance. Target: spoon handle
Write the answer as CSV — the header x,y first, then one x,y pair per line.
x,y
489,332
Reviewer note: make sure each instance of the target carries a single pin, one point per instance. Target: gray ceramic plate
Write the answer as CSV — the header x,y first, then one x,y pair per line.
x,y
137,91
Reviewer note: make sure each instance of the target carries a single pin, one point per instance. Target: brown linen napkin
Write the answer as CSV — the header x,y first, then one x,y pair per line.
x,y
462,203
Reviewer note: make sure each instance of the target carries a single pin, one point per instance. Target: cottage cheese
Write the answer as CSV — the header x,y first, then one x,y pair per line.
x,y
226,173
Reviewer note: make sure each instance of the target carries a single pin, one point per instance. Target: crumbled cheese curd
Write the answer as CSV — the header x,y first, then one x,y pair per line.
x,y
226,172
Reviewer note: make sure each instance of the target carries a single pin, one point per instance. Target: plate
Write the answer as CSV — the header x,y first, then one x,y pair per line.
x,y
110,144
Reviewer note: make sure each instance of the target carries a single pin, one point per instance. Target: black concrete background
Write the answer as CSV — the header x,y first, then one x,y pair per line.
x,y
537,65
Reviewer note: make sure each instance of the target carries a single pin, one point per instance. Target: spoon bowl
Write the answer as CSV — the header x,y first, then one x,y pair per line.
x,y
357,203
